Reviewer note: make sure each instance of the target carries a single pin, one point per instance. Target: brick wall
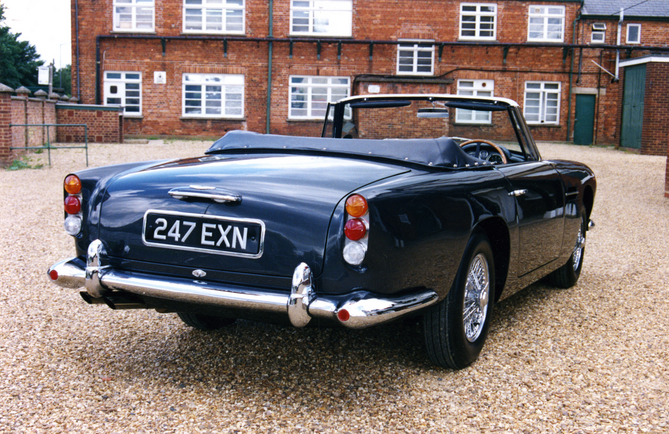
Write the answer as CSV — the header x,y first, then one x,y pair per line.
x,y
380,20
5,120
105,125
655,134
32,111
666,182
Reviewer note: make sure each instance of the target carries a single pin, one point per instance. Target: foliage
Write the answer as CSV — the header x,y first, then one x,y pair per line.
x,y
18,59
24,163
62,78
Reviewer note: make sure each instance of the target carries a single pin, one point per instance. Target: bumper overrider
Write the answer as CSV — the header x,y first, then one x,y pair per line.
x,y
116,288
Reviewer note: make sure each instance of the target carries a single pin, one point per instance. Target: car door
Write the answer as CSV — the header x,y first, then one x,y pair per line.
x,y
539,196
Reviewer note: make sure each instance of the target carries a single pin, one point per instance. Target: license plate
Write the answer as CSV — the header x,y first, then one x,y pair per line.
x,y
204,233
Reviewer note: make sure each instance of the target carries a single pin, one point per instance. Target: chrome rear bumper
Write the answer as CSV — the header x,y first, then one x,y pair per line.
x,y
303,303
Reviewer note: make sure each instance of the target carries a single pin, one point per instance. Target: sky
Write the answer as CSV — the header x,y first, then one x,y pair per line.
x,y
43,23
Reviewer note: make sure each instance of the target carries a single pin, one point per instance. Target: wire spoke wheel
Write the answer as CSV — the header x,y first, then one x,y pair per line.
x,y
456,328
578,248
477,294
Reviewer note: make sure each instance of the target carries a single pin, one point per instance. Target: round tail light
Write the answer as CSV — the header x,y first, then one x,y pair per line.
x,y
355,229
356,205
72,184
72,205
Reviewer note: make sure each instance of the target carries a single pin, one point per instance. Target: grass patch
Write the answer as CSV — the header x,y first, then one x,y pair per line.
x,y
24,163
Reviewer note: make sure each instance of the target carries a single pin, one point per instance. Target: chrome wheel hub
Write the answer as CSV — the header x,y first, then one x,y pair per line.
x,y
578,248
477,296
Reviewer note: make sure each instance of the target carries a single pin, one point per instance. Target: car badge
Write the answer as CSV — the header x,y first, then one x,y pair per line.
x,y
199,273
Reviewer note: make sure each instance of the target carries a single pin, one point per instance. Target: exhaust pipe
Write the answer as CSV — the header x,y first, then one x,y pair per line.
x,y
116,301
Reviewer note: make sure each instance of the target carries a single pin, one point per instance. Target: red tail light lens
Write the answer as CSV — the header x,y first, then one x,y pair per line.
x,y
72,205
356,206
355,229
72,184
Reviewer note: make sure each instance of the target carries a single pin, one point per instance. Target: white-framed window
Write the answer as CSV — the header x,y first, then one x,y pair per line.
x,y
633,34
598,35
310,95
542,102
214,16
546,24
415,58
134,15
213,95
321,17
124,89
474,88
477,21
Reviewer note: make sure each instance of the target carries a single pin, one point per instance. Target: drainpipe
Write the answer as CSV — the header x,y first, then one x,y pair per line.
x,y
620,31
76,33
571,75
269,66
97,70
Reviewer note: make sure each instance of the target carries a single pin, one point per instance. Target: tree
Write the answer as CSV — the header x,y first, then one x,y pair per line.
x,y
18,59
62,80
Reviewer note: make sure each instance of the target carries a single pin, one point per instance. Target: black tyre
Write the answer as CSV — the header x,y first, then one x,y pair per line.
x,y
567,275
204,322
456,328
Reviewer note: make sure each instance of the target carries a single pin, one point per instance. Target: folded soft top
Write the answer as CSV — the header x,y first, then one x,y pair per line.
x,y
442,152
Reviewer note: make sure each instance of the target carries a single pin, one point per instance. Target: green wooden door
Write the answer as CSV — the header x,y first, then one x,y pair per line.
x,y
584,123
634,93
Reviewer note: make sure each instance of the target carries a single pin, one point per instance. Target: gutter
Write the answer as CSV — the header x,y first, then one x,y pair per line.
x,y
618,37
371,42
571,76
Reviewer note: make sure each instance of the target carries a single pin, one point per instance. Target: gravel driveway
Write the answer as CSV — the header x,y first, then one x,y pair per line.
x,y
591,359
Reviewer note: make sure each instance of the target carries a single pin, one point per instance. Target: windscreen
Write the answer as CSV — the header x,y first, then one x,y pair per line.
x,y
465,121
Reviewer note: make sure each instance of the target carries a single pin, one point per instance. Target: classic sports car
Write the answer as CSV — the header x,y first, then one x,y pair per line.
x,y
431,205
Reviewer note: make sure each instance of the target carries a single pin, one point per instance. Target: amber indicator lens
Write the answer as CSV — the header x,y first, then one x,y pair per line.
x,y
72,184
72,205
356,206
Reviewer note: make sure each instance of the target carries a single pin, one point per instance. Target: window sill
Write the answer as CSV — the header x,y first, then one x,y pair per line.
x,y
205,33
144,32
320,121
318,37
473,39
472,124
545,41
210,118
137,117
414,74
544,125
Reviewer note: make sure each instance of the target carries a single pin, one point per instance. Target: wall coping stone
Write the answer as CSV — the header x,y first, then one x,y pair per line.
x,y
61,105
5,88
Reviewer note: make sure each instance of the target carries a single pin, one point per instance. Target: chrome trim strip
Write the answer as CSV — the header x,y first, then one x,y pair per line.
x,y
300,306
301,295
218,195
70,274
95,270
373,311
196,291
261,244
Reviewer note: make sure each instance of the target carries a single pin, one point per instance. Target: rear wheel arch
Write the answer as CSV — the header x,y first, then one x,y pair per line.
x,y
497,231
588,200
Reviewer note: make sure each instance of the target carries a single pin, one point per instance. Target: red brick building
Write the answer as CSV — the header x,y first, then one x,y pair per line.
x,y
203,67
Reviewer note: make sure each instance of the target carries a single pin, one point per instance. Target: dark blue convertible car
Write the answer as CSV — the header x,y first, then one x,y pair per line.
x,y
430,205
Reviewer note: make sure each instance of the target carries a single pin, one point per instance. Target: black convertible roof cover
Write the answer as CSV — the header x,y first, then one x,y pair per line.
x,y
441,152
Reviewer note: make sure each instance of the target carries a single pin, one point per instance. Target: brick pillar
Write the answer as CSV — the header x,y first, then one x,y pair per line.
x,y
5,120
666,179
